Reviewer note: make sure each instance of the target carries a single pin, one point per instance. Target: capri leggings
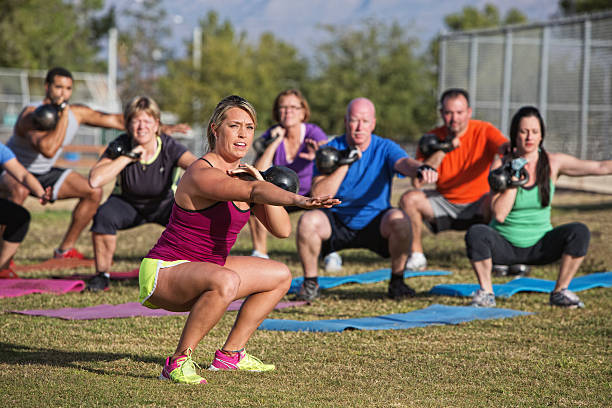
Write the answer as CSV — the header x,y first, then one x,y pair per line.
x,y
483,242
16,219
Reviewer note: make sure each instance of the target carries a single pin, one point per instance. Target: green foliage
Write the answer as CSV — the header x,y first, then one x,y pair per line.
x,y
39,34
376,62
471,18
571,7
141,51
230,65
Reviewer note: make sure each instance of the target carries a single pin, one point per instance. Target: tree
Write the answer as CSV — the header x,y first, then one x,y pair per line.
x,y
230,65
471,18
142,55
571,7
379,63
39,34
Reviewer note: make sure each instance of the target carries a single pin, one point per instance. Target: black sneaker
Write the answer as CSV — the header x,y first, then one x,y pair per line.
x,y
398,290
98,283
309,291
565,298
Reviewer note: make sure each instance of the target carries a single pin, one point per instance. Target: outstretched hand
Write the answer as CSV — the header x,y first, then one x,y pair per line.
x,y
311,203
178,128
311,149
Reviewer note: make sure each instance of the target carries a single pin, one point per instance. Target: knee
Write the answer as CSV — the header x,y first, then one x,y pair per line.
x,y
95,194
19,193
228,286
582,232
308,226
409,201
284,277
399,226
476,233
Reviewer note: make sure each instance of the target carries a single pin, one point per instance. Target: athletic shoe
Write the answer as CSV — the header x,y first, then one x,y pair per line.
x,y
416,262
98,282
309,291
483,299
239,361
332,263
8,273
69,253
398,290
565,298
258,254
182,370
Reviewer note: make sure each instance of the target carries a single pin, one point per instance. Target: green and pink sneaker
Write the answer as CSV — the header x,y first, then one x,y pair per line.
x,y
182,370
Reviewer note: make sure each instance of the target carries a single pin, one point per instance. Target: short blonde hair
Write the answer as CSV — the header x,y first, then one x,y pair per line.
x,y
142,104
220,113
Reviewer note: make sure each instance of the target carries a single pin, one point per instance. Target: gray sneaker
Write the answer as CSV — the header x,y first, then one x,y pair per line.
x,y
309,291
565,298
483,299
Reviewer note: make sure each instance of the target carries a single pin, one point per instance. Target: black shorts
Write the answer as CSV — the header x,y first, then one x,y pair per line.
x,y
483,242
343,237
54,178
118,214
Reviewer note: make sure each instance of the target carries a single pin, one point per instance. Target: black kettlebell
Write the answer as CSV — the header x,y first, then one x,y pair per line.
x,y
45,116
328,159
282,177
429,144
501,178
121,146
260,144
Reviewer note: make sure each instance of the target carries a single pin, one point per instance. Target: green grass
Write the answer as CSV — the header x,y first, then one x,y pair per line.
x,y
558,358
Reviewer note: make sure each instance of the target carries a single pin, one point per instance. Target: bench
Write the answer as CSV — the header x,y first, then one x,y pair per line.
x,y
80,156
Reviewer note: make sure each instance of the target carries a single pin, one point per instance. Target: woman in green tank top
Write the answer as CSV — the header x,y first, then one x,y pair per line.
x,y
520,230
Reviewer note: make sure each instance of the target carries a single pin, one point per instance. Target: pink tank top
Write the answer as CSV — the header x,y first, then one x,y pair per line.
x,y
200,235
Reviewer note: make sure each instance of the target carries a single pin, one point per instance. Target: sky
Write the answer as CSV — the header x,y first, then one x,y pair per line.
x,y
298,21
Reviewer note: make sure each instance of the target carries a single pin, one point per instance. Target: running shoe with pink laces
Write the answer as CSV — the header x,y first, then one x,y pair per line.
x,y
239,361
182,370
69,253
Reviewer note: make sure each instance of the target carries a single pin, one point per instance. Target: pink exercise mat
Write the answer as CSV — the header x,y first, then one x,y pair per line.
x,y
123,310
133,274
20,287
53,263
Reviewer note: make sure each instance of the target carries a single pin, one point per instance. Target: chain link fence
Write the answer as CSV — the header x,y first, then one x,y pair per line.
x,y
564,67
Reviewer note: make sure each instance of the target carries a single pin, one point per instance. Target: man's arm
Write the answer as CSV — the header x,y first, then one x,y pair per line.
x,y
329,184
88,116
421,172
48,142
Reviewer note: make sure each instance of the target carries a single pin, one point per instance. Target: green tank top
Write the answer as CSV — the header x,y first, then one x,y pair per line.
x,y
528,221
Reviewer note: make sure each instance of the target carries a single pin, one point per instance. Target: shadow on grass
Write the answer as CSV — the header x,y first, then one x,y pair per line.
x,y
17,354
583,207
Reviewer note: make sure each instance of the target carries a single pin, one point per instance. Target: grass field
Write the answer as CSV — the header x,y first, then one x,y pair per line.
x,y
558,358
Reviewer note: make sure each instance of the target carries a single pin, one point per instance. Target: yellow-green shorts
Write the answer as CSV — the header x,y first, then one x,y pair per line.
x,y
147,278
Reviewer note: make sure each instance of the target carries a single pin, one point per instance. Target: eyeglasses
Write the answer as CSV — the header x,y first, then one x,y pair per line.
x,y
289,108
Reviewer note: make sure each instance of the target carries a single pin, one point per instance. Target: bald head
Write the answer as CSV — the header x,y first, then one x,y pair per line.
x,y
360,121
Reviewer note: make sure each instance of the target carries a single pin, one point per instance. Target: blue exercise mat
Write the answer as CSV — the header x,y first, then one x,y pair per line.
x,y
593,280
434,314
379,275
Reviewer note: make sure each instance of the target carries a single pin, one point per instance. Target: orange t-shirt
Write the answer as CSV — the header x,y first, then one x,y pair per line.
x,y
463,173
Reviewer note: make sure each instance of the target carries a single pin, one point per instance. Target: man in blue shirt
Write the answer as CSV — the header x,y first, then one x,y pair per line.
x,y
365,218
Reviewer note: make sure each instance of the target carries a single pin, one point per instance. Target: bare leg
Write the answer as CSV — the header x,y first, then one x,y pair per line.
x,y
483,273
7,252
104,249
416,206
396,228
76,186
14,190
569,267
313,228
259,235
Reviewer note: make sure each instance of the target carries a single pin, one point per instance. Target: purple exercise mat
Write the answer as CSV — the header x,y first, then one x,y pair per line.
x,y
20,287
122,310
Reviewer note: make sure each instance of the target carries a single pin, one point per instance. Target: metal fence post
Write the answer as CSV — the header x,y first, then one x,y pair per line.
x,y
473,79
586,73
505,105
543,92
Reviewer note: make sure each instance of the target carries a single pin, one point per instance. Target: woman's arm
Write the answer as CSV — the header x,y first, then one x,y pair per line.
x,y
106,170
571,166
186,159
16,169
502,202
265,160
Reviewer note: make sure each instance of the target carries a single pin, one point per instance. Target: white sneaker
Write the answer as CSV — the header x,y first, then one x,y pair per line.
x,y
416,262
258,254
332,263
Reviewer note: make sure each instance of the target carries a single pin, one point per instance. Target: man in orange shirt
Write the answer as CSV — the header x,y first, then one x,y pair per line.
x,y
461,197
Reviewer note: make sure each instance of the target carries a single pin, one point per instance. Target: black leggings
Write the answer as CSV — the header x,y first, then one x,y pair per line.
x,y
483,242
17,221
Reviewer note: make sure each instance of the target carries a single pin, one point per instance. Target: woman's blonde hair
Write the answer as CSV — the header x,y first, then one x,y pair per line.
x,y
142,104
220,112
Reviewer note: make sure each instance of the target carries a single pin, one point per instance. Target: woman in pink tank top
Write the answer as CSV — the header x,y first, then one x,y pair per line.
x,y
190,268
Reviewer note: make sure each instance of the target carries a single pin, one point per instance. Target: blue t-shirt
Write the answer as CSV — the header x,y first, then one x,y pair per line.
x,y
366,188
6,154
